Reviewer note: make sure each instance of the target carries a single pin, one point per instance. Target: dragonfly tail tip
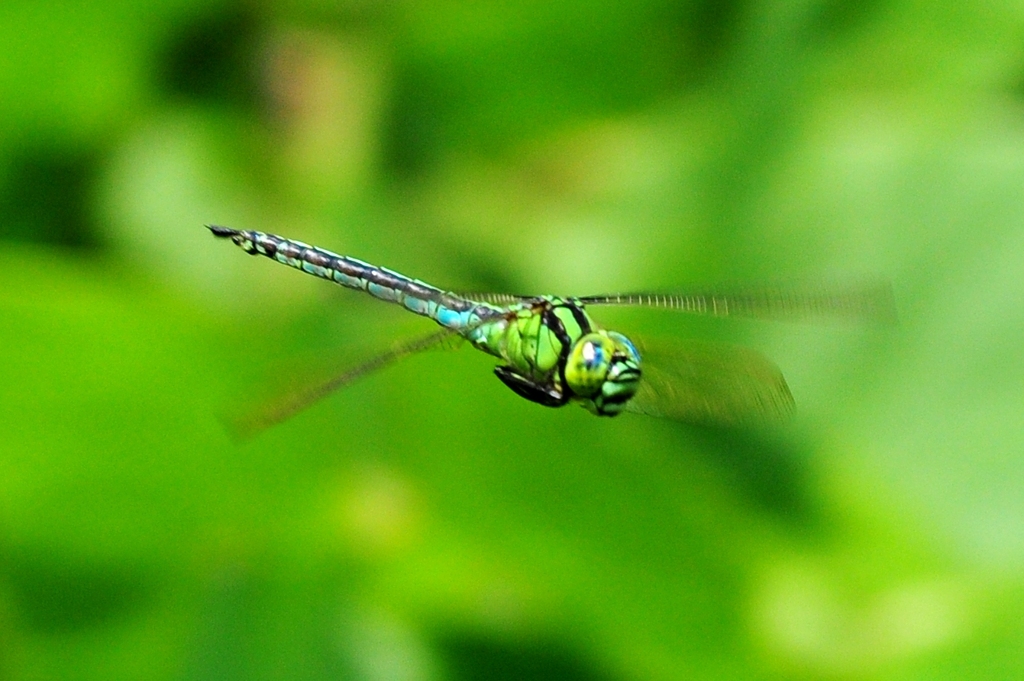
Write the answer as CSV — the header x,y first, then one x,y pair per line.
x,y
222,232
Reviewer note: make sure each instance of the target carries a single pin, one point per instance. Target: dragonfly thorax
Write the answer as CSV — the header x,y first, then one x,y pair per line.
x,y
556,354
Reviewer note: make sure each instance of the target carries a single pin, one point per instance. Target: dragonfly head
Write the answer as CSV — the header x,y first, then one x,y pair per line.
x,y
603,371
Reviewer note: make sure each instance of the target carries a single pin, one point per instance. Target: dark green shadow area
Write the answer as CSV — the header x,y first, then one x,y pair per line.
x,y
472,656
46,194
766,469
57,593
214,59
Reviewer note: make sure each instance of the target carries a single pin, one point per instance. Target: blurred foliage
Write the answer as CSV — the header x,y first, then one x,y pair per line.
x,y
427,523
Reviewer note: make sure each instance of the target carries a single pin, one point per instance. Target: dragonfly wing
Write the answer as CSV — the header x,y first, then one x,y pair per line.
x,y
711,384
496,298
872,303
253,421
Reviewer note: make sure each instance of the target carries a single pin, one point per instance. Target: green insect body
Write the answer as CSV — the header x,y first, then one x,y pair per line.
x,y
556,353
552,352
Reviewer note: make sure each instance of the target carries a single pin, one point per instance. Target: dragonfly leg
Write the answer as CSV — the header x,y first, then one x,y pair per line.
x,y
535,392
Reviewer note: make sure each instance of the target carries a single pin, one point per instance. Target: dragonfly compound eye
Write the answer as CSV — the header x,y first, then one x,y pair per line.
x,y
588,363
623,377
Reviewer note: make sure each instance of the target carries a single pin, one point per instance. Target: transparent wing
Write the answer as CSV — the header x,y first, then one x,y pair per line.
x,y
872,303
253,421
496,298
710,384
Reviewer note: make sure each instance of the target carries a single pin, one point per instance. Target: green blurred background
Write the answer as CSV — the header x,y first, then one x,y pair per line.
x,y
426,523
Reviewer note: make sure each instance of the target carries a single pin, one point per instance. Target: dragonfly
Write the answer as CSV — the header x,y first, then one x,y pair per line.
x,y
552,352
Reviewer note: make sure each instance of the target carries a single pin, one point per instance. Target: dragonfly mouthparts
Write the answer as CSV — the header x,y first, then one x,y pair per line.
x,y
222,232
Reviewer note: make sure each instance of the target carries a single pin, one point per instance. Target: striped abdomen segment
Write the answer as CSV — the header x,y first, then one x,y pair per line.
x,y
445,308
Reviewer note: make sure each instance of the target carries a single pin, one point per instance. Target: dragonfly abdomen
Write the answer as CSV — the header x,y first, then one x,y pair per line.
x,y
447,309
